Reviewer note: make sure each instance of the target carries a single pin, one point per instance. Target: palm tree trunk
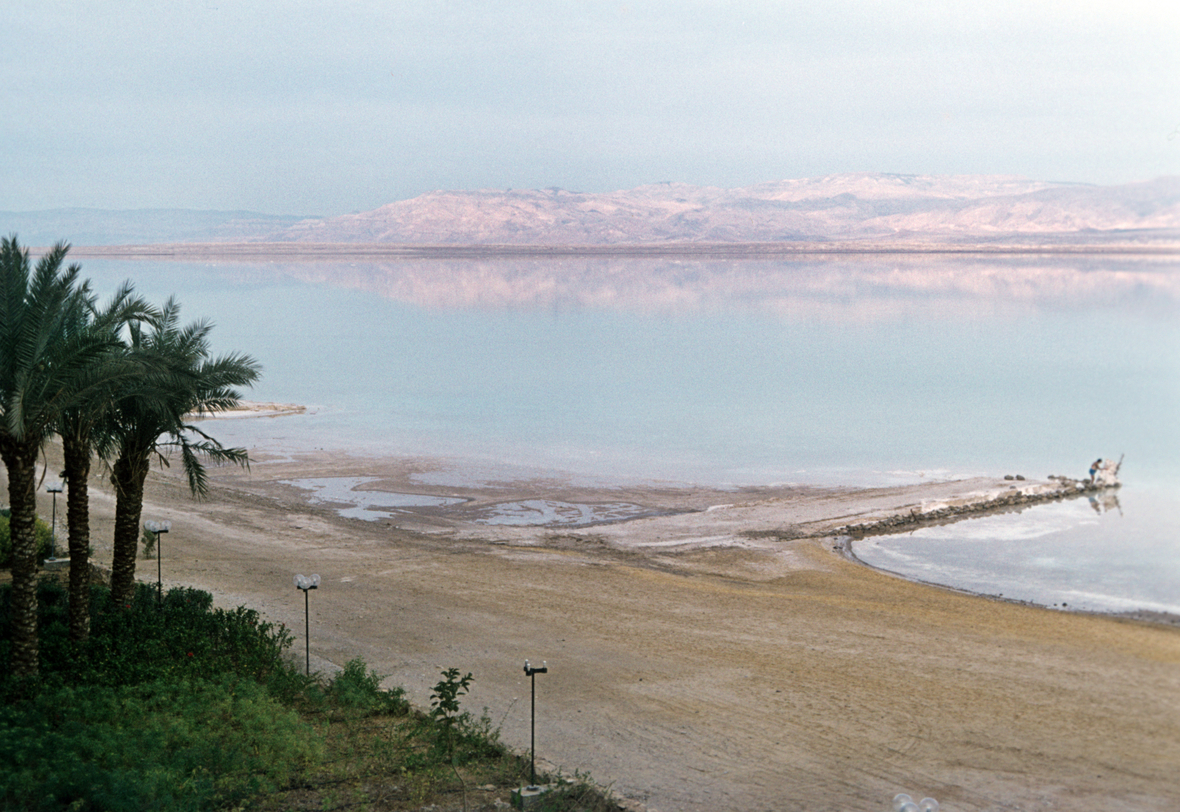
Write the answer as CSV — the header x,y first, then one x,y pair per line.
x,y
128,474
20,458
77,459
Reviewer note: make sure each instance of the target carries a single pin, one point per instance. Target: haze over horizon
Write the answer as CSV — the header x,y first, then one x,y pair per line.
x,y
303,111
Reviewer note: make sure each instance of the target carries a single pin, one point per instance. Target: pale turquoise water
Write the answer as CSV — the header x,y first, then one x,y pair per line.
x,y
725,373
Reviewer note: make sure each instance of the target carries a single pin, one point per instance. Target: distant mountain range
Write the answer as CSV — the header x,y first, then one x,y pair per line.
x,y
850,207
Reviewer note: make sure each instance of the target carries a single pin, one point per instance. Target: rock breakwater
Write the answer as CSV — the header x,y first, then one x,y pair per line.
x,y
1055,489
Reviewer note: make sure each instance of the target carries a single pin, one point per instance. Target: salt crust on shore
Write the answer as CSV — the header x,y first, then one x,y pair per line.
x,y
723,655
248,408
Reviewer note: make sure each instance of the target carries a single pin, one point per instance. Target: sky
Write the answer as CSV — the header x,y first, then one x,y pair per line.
x,y
316,109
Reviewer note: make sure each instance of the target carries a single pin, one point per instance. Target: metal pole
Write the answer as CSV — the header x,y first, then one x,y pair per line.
x,y
533,735
307,584
159,571
532,674
159,528
54,488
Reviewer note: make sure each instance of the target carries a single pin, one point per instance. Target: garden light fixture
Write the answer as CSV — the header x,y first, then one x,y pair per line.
x,y
159,528
53,488
531,673
307,583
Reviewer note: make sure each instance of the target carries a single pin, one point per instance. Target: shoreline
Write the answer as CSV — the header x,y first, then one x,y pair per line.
x,y
1020,244
719,658
1017,499
843,545
1011,493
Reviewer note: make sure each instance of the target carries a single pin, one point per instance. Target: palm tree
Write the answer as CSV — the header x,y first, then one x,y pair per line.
x,y
77,427
151,418
41,363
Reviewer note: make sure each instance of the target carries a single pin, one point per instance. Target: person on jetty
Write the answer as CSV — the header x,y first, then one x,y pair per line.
x,y
1105,472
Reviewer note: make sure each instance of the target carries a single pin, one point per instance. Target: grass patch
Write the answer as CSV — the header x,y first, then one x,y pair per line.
x,y
174,704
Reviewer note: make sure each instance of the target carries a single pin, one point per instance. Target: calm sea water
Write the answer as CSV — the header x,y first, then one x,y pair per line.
x,y
1116,552
861,371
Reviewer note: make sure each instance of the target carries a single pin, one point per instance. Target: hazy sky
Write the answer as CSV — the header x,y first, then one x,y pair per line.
x,y
320,108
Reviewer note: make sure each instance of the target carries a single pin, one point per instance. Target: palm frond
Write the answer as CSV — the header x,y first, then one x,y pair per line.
x,y
178,379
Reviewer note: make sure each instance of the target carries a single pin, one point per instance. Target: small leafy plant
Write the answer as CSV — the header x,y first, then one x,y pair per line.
x,y
444,700
148,539
444,709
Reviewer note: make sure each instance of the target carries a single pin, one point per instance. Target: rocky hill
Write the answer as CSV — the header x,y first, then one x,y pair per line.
x,y
839,207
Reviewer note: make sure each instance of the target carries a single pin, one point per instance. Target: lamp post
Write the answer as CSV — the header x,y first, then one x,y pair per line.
x,y
307,583
53,488
159,528
531,673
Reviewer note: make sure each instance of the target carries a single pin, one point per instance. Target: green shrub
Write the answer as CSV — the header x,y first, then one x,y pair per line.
x,y
455,731
182,636
174,704
43,532
359,689
444,700
172,745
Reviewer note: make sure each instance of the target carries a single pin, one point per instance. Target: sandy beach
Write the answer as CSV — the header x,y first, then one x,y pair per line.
x,y
719,652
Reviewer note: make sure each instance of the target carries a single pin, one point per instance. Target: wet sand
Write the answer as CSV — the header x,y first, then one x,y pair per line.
x,y
721,653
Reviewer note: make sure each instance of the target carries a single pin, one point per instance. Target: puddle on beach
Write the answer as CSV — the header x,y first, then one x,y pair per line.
x,y
371,505
540,512
367,505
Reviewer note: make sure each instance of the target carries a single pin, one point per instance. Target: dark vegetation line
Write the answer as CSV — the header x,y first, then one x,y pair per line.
x,y
174,704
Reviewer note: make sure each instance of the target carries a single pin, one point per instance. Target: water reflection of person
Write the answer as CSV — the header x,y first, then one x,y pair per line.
x,y
1106,502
